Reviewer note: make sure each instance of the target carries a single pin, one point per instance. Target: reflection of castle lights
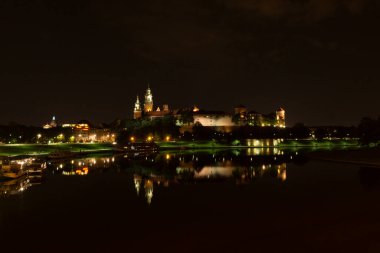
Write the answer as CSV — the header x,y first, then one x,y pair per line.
x,y
148,186
68,173
82,172
137,181
281,172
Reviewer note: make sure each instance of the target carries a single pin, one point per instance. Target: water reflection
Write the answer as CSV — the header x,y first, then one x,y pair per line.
x,y
19,174
150,172
241,175
167,169
82,166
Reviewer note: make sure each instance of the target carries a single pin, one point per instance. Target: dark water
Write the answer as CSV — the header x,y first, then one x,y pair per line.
x,y
230,201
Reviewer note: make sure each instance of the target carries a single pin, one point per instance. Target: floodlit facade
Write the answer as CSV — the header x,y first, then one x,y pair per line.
x,y
280,117
149,112
137,112
52,124
148,102
222,121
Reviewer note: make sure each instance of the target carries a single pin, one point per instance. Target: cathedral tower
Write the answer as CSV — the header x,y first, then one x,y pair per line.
x,y
137,113
280,117
148,102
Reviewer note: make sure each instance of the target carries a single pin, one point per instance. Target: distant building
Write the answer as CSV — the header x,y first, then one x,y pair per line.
x,y
84,132
241,110
254,119
52,124
280,117
137,113
149,111
219,120
148,102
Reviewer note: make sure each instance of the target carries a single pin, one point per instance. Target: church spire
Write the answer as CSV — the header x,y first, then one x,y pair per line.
x,y
137,110
137,104
148,103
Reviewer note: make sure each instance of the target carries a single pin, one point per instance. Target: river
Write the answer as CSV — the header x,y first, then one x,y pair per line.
x,y
265,200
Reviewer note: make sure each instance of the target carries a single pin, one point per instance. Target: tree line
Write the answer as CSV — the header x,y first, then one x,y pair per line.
x,y
367,131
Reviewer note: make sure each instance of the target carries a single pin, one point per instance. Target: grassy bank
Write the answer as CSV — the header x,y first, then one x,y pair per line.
x,y
43,149
194,145
313,144
319,143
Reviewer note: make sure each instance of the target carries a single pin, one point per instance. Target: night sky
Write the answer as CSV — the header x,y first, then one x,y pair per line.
x,y
88,59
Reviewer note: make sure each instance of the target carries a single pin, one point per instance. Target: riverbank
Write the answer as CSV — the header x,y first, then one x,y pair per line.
x,y
311,144
364,156
320,143
44,149
195,145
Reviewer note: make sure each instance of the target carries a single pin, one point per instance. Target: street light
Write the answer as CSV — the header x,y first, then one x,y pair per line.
x,y
38,137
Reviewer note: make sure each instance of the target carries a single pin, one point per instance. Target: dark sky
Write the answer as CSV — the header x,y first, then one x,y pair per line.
x,y
87,59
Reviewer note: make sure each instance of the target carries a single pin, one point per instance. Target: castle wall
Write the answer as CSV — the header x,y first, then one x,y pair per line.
x,y
214,120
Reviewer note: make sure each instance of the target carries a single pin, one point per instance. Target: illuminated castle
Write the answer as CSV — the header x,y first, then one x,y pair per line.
x,y
149,111
137,113
280,117
220,120
52,124
148,102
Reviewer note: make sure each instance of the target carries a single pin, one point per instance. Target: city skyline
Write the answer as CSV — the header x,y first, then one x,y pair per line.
x,y
190,125
88,59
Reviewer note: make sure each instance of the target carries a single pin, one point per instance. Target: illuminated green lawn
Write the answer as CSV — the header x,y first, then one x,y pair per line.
x,y
287,144
192,144
43,149
319,143
38,149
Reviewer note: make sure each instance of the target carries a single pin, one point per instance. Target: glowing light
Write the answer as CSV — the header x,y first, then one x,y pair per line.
x,y
82,172
167,138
